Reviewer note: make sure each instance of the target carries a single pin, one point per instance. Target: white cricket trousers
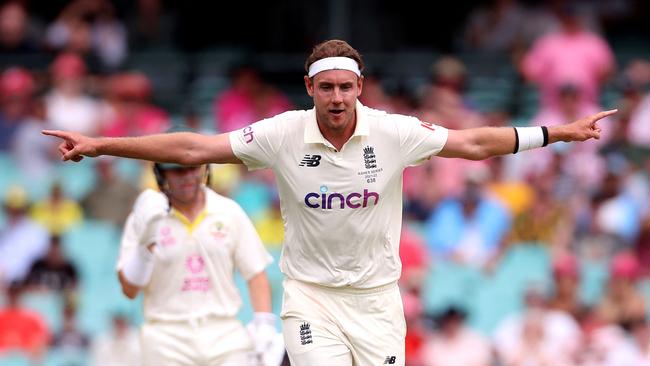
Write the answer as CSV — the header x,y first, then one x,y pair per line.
x,y
205,341
325,326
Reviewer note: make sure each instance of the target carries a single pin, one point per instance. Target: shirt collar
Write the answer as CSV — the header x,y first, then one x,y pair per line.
x,y
313,134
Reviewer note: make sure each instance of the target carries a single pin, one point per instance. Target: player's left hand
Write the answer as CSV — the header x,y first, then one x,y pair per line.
x,y
265,336
580,130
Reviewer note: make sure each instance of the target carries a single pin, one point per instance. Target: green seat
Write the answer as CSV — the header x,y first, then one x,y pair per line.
x,y
78,179
14,359
48,304
449,283
65,357
502,294
593,278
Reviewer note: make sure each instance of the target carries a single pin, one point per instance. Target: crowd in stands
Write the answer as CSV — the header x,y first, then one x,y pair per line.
x,y
538,258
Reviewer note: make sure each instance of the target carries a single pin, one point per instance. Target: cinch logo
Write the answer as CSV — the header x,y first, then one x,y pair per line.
x,y
248,134
353,200
427,125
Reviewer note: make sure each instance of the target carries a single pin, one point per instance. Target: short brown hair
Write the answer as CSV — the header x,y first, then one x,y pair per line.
x,y
333,48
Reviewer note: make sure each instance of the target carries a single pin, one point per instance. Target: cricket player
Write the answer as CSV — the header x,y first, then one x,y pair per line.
x,y
339,175
181,246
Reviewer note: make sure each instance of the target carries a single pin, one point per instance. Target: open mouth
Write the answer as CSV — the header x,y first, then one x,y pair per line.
x,y
336,112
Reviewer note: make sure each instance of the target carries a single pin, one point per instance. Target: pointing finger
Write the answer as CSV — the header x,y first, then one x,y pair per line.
x,y
604,114
56,133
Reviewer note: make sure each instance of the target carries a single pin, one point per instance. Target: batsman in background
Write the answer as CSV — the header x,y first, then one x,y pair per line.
x,y
339,170
181,248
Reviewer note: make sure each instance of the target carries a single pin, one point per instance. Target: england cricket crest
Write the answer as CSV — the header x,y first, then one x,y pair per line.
x,y
369,157
305,334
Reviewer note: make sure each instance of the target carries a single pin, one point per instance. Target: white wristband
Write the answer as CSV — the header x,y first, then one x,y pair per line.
x,y
530,137
265,318
139,266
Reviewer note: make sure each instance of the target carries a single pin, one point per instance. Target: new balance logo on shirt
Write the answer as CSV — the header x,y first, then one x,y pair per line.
x,y
310,161
390,360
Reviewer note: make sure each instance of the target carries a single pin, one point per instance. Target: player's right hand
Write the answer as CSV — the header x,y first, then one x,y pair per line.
x,y
148,210
148,236
74,146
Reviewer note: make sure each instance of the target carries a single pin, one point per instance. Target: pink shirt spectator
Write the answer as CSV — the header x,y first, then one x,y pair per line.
x,y
235,108
639,129
581,58
146,120
583,159
465,348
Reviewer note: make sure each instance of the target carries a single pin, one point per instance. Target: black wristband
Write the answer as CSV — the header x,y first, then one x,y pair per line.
x,y
545,133
516,141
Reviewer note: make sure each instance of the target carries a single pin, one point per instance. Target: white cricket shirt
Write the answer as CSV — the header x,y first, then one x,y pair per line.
x,y
342,210
195,262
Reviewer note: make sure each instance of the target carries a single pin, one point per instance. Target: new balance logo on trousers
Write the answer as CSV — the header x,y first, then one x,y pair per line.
x,y
390,360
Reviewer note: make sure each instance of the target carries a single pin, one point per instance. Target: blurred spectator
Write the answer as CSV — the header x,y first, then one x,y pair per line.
x,y
496,27
109,36
572,55
68,107
586,165
86,26
118,347
454,343
416,328
531,349
35,153
54,272
623,303
22,329
249,99
57,213
152,24
415,259
420,197
641,332
516,194
224,178
22,241
566,280
16,88
111,200
17,35
637,103
468,228
374,95
606,344
443,101
270,225
617,213
539,335
70,339
546,220
129,111
642,248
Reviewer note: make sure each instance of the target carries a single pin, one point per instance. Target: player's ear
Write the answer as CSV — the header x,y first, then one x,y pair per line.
x,y
359,85
309,85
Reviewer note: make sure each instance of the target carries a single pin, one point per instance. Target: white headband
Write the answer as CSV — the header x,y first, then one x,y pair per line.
x,y
334,63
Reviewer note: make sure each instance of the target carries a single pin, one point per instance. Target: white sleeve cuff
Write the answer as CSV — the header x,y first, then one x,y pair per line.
x,y
139,266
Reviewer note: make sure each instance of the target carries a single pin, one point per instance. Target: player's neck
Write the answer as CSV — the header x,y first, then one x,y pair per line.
x,y
192,209
338,137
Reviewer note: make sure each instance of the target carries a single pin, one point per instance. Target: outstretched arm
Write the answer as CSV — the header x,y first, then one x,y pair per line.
x,y
182,147
482,143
